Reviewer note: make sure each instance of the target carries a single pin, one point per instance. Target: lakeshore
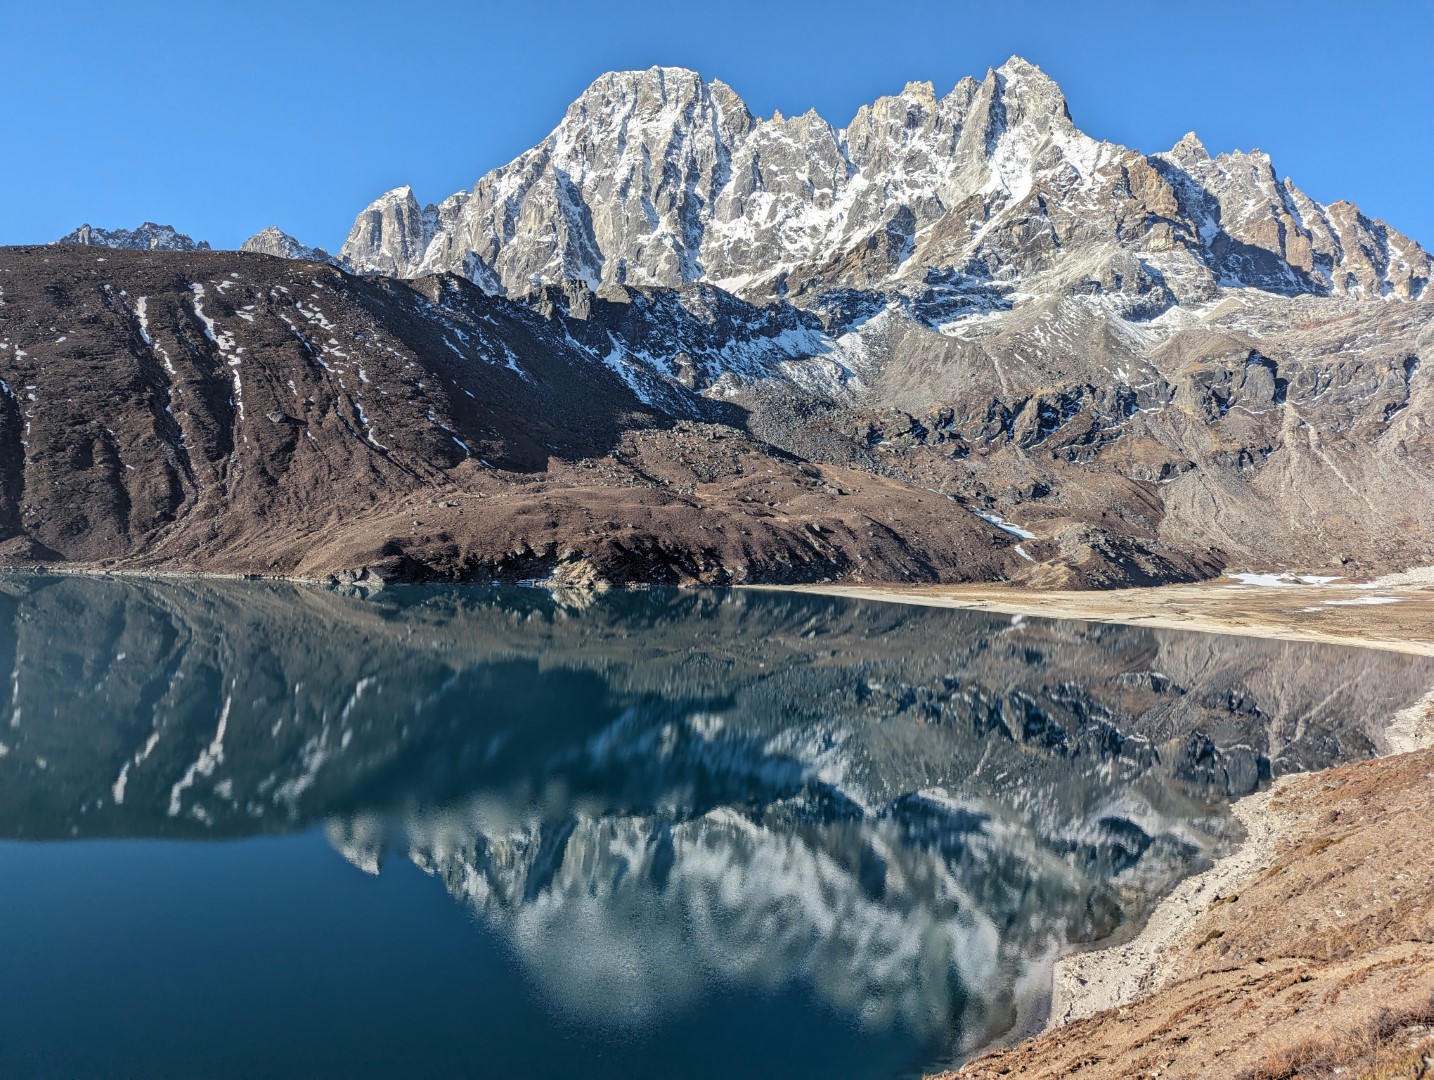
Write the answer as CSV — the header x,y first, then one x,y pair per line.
x,y
1306,951
1394,613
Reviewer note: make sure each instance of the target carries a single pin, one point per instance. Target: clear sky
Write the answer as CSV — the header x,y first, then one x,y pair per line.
x,y
222,118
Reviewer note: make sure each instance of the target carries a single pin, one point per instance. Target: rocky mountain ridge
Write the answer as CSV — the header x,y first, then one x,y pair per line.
x,y
274,241
656,178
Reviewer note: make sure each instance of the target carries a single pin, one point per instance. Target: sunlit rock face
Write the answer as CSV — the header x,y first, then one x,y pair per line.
x,y
660,796
274,241
657,178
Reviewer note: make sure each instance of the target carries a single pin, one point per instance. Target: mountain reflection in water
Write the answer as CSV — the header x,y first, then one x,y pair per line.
x,y
880,820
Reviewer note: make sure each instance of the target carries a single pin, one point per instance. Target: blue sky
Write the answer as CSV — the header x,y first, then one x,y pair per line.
x,y
222,118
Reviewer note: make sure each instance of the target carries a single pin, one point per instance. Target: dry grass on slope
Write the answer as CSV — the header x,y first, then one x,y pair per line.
x,y
1318,965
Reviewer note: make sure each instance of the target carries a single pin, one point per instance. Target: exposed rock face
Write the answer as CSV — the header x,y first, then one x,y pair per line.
x,y
148,237
655,178
1265,232
274,241
392,233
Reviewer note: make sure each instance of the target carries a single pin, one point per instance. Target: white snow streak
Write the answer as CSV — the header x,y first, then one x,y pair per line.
x,y
204,765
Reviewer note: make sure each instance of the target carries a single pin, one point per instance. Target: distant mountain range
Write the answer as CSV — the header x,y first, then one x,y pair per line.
x,y
655,178
1112,367
148,237
658,179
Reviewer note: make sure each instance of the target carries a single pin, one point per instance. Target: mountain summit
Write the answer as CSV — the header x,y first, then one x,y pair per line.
x,y
274,241
657,178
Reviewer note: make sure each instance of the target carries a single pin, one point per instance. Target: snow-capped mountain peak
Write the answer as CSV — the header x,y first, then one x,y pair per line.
x,y
274,241
659,178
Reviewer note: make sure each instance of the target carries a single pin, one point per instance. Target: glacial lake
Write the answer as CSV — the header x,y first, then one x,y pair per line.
x,y
255,829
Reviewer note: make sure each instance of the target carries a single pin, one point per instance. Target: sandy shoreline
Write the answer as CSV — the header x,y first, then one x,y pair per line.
x,y
1086,983
1394,617
1307,953
1412,728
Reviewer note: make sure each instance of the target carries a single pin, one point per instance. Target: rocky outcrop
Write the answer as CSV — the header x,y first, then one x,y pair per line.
x,y
390,236
1263,231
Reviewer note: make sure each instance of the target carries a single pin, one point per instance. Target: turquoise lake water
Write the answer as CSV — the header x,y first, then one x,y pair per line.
x,y
254,829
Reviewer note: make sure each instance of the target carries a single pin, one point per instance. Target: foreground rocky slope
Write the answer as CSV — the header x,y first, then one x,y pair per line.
x,y
693,345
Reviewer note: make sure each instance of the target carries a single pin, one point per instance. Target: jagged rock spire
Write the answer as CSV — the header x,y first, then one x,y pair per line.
x,y
659,178
274,241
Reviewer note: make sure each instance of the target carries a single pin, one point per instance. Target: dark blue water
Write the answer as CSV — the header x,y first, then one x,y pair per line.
x,y
250,830
261,958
